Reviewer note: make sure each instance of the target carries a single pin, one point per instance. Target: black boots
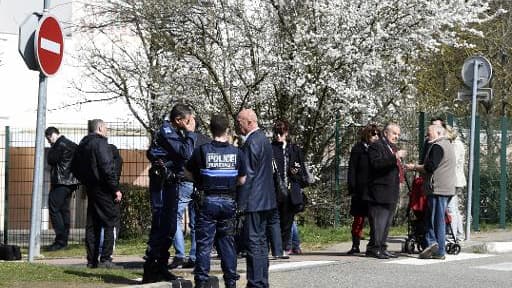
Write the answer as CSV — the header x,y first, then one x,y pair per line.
x,y
355,246
156,271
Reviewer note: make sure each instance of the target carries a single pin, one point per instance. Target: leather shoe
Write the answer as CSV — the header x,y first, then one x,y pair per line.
x,y
55,247
353,250
189,264
376,254
176,262
389,254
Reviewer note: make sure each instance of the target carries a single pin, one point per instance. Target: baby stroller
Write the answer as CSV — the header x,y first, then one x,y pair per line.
x,y
416,210
452,243
416,230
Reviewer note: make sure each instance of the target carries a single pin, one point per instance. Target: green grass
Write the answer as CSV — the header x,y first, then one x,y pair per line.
x,y
314,237
123,247
23,274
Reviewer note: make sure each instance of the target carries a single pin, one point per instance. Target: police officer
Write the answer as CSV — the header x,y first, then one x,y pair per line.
x,y
217,168
171,147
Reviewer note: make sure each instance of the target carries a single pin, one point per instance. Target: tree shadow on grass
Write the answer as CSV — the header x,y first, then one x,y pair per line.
x,y
106,277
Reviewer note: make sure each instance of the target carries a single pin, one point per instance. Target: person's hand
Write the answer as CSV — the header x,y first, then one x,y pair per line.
x,y
401,153
190,124
410,166
119,195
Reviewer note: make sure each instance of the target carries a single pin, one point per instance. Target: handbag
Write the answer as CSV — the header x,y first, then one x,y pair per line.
x,y
280,186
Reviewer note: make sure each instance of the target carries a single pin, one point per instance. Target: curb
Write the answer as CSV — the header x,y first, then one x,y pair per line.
x,y
490,247
182,283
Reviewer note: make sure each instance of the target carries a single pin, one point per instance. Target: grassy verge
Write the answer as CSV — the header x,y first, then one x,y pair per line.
x,y
23,274
315,238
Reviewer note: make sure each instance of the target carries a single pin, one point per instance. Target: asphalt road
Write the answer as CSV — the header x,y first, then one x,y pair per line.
x,y
463,270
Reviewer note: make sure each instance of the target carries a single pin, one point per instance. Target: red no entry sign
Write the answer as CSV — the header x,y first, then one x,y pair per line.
x,y
49,45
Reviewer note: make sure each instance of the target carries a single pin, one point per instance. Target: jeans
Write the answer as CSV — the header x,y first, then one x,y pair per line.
x,y
184,201
274,234
294,242
436,226
216,221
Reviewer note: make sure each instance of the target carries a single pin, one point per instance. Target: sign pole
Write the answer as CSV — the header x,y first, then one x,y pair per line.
x,y
37,184
472,149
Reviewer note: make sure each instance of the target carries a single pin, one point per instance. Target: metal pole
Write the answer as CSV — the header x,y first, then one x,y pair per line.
x,y
37,187
337,172
34,247
503,168
6,196
471,150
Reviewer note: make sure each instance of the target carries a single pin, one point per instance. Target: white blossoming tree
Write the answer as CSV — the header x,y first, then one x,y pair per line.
x,y
300,60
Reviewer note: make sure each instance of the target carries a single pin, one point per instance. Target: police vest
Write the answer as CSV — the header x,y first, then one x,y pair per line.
x,y
220,168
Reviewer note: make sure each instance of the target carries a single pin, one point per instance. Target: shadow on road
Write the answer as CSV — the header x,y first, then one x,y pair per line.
x,y
107,278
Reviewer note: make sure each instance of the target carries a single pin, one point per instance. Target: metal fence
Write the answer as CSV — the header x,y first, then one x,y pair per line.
x,y
329,200
17,148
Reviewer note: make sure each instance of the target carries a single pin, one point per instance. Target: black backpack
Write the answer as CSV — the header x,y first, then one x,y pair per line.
x,y
10,252
76,164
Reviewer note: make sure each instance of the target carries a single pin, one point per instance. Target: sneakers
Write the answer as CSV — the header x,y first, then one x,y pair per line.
x,y
438,257
176,262
429,251
297,251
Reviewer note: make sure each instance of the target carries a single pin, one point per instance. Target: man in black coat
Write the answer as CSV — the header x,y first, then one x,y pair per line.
x,y
385,176
63,183
257,198
97,172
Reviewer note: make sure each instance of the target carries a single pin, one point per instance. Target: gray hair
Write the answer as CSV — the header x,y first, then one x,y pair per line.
x,y
94,124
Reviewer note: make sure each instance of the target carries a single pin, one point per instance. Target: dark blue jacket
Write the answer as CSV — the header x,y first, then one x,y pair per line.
x,y
257,194
216,167
174,147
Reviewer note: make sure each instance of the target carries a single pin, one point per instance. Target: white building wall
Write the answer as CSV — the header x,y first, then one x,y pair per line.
x,y
19,85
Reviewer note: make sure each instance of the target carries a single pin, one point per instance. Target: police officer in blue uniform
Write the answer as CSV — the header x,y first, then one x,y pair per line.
x,y
216,168
171,146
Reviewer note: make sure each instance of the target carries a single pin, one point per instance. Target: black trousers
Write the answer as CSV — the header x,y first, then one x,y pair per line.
x,y
286,214
58,208
380,217
101,212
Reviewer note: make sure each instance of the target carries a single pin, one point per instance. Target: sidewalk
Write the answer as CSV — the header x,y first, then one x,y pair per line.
x,y
491,242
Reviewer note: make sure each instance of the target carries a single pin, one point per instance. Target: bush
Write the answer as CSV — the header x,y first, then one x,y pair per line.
x,y
135,212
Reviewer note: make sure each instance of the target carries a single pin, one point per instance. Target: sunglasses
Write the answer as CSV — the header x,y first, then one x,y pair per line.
x,y
375,133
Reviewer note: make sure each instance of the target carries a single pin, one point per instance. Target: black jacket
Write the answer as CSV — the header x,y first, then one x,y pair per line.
x,y
295,159
60,157
384,180
358,171
96,164
257,194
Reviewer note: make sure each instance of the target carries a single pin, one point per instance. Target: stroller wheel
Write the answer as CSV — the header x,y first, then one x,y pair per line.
x,y
456,249
449,248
